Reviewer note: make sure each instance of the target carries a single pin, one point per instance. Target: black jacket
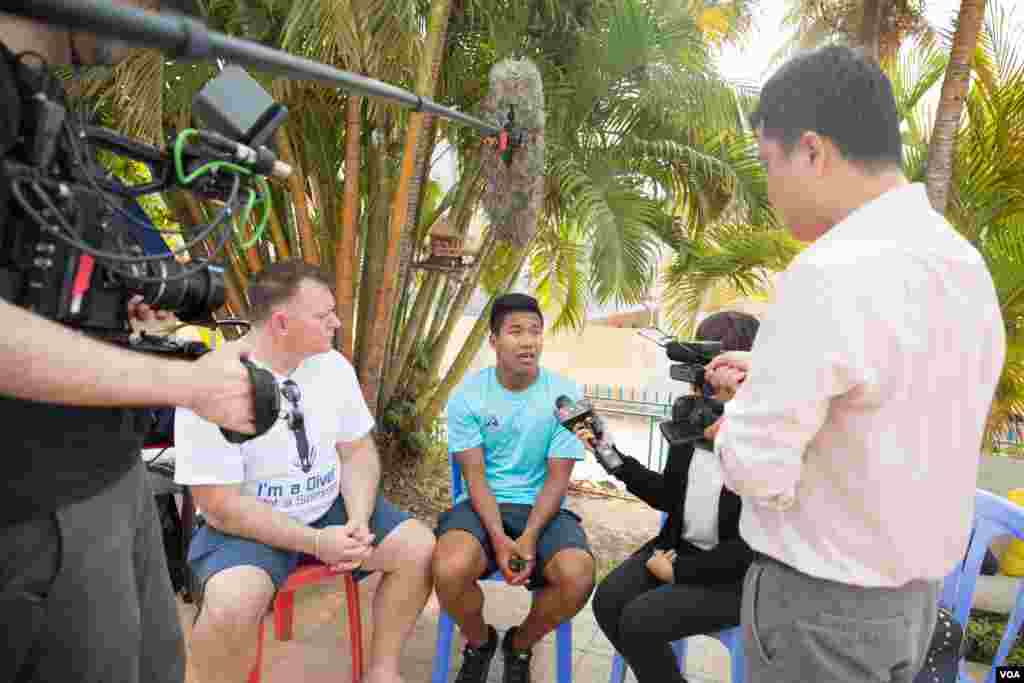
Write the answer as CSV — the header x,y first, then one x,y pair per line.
x,y
728,561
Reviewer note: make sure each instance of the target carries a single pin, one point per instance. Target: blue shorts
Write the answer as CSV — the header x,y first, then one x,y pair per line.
x,y
563,531
212,551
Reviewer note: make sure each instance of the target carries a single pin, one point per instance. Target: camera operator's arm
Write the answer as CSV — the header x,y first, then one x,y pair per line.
x,y
796,369
43,361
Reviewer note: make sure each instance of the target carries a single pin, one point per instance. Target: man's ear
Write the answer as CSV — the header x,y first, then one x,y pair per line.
x,y
279,322
819,151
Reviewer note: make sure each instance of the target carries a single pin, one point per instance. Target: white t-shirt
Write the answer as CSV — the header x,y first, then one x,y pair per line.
x,y
703,494
269,467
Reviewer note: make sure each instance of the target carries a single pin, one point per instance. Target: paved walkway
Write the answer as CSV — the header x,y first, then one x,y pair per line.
x,y
319,652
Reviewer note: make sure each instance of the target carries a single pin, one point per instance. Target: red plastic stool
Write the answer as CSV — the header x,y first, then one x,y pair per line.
x,y
284,604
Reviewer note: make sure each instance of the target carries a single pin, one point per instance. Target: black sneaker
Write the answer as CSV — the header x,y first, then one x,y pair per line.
x,y
476,661
517,662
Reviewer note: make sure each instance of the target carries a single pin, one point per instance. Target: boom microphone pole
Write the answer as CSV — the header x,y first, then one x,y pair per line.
x,y
187,39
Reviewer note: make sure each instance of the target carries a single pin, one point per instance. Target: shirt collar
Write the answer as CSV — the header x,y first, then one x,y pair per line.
x,y
879,217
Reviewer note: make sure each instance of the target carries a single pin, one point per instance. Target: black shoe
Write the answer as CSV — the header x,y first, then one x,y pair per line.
x,y
517,662
476,661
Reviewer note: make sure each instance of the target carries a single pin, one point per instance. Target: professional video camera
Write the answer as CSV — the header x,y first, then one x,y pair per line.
x,y
66,250
691,415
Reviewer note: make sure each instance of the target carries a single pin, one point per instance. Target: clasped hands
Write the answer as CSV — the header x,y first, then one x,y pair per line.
x,y
724,374
346,547
524,547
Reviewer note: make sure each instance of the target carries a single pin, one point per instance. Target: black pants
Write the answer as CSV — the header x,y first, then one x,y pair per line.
x,y
642,616
88,595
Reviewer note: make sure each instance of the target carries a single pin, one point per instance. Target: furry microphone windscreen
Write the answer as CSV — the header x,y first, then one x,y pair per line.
x,y
515,188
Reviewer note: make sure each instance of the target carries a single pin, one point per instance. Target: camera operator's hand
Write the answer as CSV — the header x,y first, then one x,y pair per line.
x,y
143,313
725,380
726,372
739,360
221,390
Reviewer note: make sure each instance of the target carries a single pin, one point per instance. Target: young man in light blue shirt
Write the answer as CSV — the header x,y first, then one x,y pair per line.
x,y
516,463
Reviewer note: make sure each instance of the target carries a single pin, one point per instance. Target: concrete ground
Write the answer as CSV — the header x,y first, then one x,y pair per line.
x,y
319,651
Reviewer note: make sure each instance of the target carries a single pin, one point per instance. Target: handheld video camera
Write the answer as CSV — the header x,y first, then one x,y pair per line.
x,y
691,415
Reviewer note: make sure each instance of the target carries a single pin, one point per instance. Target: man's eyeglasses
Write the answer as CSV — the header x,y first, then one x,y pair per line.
x,y
297,422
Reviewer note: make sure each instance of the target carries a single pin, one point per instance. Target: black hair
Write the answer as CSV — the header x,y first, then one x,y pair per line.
x,y
839,93
512,303
734,329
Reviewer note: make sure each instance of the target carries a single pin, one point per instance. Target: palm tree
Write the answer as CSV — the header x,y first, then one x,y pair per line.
x,y
622,154
951,101
985,200
877,26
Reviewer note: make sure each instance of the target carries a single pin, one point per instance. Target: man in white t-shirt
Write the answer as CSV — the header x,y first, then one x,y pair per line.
x,y
308,487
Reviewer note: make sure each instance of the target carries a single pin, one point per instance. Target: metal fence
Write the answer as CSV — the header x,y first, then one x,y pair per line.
x,y
651,406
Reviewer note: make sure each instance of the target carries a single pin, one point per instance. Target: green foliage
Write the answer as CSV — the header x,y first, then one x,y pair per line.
x,y
982,637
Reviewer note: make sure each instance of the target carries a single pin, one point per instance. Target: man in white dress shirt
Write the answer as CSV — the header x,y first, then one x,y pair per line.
x,y
854,435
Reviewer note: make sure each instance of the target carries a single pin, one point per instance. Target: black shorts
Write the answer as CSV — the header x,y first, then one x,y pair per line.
x,y
563,531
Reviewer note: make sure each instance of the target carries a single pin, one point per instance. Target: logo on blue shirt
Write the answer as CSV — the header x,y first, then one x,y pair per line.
x,y
491,422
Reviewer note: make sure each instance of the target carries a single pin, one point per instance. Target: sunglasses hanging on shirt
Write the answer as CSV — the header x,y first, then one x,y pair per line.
x,y
297,422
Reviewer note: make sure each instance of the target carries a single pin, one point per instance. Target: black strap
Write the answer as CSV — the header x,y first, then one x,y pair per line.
x,y
266,403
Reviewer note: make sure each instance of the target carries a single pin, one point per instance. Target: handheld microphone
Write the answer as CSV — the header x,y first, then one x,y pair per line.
x,y
573,415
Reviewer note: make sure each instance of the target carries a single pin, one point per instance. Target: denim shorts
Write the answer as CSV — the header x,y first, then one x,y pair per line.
x,y
563,531
212,551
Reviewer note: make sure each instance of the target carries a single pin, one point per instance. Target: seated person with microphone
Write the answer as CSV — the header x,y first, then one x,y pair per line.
x,y
516,462
688,579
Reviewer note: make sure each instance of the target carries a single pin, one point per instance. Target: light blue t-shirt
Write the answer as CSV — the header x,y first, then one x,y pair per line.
x,y
517,430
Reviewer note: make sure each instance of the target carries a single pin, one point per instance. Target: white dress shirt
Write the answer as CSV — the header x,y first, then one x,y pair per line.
x,y
703,494
854,440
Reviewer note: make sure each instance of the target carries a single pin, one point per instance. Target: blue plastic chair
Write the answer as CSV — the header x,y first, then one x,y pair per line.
x,y
446,627
732,638
993,516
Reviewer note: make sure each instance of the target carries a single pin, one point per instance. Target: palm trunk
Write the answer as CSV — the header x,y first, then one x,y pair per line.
x,y
297,185
870,27
951,102
457,308
413,331
440,311
345,258
439,399
372,319
405,192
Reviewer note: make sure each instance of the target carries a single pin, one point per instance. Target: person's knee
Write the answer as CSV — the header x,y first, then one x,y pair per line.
x,y
457,560
607,606
417,547
638,626
234,602
572,570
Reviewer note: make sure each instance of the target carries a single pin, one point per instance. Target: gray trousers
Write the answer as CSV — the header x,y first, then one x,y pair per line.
x,y
799,629
90,596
